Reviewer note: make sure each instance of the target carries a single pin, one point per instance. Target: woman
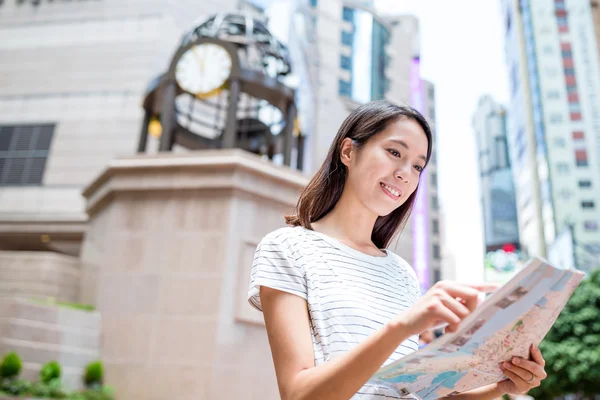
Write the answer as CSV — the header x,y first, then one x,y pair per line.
x,y
337,304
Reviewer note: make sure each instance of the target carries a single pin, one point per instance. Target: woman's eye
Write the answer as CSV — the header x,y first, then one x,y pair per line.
x,y
395,153
419,168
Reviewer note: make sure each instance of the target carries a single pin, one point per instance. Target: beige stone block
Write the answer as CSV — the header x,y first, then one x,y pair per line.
x,y
159,382
190,296
127,339
198,253
183,341
125,294
206,212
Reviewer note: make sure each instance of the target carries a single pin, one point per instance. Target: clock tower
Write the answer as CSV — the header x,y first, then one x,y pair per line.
x,y
225,88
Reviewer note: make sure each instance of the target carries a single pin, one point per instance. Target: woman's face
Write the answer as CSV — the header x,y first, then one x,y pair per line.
x,y
385,171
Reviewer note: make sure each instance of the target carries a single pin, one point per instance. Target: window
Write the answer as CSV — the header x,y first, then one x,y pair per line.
x,y
23,153
437,275
346,63
575,116
555,118
435,226
434,202
433,179
566,194
585,184
570,71
436,251
567,54
348,14
568,63
347,38
581,158
587,204
554,94
590,226
578,135
560,142
562,168
574,107
345,88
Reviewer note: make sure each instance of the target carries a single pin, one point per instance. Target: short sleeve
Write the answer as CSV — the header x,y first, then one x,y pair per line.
x,y
273,266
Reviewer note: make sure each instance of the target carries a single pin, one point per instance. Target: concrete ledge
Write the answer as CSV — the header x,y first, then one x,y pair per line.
x,y
230,169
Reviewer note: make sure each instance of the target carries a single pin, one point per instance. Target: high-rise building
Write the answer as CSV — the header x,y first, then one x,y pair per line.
x,y
501,229
497,187
374,57
595,6
554,121
432,215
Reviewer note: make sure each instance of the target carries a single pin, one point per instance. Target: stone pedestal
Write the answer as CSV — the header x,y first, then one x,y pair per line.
x,y
167,259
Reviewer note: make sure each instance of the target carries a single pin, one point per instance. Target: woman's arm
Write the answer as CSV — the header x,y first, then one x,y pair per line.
x,y
287,321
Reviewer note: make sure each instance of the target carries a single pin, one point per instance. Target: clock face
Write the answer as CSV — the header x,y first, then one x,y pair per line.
x,y
203,69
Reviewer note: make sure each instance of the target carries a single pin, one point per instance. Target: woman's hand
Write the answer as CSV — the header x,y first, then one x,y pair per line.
x,y
522,374
446,302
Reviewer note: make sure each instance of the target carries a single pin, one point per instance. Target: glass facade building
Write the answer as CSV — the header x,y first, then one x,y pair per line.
x,y
365,62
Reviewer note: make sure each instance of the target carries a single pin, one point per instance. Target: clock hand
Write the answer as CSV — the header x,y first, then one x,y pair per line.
x,y
201,60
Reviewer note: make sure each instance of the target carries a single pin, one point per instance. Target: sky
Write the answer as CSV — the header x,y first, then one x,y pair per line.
x,y
462,54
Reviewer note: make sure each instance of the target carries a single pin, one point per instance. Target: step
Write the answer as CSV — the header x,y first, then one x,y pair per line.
x,y
26,309
35,331
41,353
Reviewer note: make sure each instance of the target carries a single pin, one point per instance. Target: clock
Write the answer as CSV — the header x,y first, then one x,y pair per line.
x,y
203,69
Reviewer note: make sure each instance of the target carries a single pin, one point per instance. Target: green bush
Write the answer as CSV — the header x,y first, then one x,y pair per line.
x,y
50,389
50,371
94,374
11,366
103,393
16,387
572,346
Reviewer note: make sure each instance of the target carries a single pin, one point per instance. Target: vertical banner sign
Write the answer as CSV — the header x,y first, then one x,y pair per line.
x,y
419,213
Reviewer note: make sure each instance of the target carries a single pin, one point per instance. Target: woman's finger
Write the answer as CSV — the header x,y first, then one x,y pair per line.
x,y
455,306
525,375
536,354
531,366
447,315
517,380
468,294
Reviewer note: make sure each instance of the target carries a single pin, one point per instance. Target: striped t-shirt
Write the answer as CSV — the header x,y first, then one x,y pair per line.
x,y
350,294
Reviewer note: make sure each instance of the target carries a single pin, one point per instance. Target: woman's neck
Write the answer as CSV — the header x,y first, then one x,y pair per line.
x,y
351,223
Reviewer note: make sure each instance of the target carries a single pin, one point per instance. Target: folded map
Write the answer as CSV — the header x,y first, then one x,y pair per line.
x,y
505,325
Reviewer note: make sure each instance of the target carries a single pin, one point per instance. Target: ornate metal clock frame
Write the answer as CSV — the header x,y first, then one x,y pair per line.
x,y
240,126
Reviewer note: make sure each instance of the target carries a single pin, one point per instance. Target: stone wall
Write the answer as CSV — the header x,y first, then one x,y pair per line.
x,y
41,333
39,275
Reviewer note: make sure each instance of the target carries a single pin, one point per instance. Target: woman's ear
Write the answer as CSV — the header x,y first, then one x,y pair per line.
x,y
346,151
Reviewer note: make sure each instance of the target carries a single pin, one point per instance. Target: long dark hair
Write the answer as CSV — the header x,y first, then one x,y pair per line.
x,y
325,188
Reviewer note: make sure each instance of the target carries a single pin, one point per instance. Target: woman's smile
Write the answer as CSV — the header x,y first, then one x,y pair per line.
x,y
392,191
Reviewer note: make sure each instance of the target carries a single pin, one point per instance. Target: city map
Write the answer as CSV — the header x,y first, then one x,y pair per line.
x,y
517,315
